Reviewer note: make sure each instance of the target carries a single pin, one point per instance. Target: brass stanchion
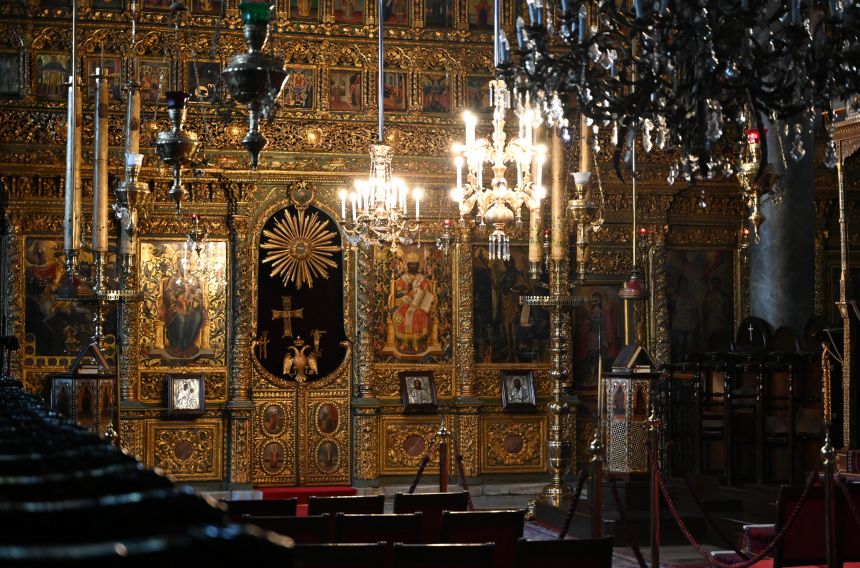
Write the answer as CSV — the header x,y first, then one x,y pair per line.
x,y
653,438
827,457
443,434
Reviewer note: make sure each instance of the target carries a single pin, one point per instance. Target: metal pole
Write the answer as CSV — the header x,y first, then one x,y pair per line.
x,y
380,94
844,281
653,436
827,458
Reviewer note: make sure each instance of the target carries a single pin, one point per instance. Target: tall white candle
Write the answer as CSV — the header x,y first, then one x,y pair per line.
x,y
342,194
100,165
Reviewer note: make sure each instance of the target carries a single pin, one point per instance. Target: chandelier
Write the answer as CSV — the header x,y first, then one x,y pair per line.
x,y
378,208
677,74
498,204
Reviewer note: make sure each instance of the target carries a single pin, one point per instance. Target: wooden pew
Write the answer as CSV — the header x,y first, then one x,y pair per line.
x,y
503,528
338,555
585,553
431,505
352,504
238,508
312,529
447,555
377,528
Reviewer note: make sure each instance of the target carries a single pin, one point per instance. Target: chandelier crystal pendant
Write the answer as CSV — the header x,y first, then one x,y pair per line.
x,y
375,211
498,204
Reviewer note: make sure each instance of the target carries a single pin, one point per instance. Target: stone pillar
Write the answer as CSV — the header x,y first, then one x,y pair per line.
x,y
782,263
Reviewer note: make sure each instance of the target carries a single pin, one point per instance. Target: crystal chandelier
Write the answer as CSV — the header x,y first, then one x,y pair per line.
x,y
498,204
676,74
377,211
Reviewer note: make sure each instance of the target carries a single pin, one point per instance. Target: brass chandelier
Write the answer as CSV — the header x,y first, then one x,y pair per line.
x,y
378,208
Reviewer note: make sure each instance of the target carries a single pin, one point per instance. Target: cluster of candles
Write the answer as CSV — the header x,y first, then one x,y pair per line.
x,y
378,195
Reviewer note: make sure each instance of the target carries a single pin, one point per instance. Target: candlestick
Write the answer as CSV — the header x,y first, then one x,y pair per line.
x,y
352,198
71,218
559,233
100,163
342,195
534,235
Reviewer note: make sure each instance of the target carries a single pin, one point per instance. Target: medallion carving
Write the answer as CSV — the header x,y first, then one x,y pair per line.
x,y
186,452
513,443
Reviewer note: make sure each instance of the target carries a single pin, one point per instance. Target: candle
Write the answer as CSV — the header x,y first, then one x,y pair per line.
x,y
582,22
480,172
458,161
100,164
352,198
795,12
342,195
534,234
71,221
417,194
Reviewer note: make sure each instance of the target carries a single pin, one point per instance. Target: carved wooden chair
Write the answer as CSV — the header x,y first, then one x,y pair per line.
x,y
354,504
448,555
431,505
312,529
503,528
377,528
336,555
260,508
584,553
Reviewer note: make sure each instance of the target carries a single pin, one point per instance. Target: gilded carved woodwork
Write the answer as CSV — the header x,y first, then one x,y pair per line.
x,y
274,443
186,451
514,443
468,438
240,446
404,440
131,434
153,385
326,444
366,444
385,383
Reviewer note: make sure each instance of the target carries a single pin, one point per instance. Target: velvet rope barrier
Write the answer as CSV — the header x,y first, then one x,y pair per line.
x,y
849,499
813,477
583,475
622,516
461,473
424,461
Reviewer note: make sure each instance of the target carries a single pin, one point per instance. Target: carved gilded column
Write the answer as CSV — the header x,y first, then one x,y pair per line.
x,y
241,289
742,279
362,329
128,335
464,350
822,212
660,344
468,438
366,443
13,283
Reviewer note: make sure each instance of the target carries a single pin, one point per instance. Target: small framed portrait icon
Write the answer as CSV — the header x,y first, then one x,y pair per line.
x,y
418,391
518,390
185,395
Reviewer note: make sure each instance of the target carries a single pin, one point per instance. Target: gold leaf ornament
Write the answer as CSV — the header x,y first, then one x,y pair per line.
x,y
300,248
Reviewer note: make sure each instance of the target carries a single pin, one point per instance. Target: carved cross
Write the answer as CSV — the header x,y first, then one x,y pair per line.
x,y
751,331
288,313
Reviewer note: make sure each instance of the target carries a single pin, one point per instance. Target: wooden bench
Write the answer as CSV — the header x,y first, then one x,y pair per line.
x,y
431,505
584,553
312,529
503,528
239,508
447,555
337,555
352,504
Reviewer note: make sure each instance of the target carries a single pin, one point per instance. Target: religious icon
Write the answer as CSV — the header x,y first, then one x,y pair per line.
x,y
505,330
156,4
412,323
208,7
349,11
435,93
478,93
299,88
597,332
394,91
52,76
273,419
327,418
699,293
85,411
395,12
185,395
274,458
619,403
304,9
154,79
106,4
114,69
10,74
204,78
438,14
327,455
184,303
481,14
518,391
58,327
417,391
344,90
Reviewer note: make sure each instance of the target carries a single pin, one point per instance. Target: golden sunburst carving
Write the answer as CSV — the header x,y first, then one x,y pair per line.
x,y
300,249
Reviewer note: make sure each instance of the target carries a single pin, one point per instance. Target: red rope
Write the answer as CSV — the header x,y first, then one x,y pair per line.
x,y
852,506
622,516
705,553
461,473
583,474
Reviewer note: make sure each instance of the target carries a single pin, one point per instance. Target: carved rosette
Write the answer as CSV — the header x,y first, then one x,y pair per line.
x,y
186,452
405,441
514,444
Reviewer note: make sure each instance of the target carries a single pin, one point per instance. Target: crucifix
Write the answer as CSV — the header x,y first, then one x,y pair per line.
x,y
288,313
751,331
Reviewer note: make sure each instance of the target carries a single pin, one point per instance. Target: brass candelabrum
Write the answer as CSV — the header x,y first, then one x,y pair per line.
x,y
177,147
747,174
585,213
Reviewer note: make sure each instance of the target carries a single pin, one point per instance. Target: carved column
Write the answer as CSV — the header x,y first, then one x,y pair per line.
x,y
361,322
822,233
366,443
660,343
13,289
467,436
464,350
128,335
241,289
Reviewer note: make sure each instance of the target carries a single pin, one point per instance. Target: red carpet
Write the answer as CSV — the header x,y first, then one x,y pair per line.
x,y
302,493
